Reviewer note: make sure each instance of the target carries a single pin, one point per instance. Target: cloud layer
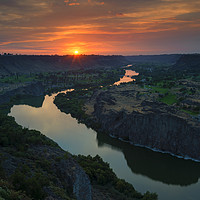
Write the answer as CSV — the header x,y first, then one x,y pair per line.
x,y
100,26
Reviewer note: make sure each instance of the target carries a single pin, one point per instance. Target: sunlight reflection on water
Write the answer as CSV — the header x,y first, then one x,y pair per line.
x,y
127,77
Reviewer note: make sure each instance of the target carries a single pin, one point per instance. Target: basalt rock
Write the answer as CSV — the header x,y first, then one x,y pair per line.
x,y
152,124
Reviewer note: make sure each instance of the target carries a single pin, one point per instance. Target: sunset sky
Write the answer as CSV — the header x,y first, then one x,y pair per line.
x,y
126,27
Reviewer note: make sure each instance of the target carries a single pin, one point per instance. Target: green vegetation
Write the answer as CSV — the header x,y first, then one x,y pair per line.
x,y
157,89
30,172
169,99
7,192
13,79
176,85
83,78
29,178
56,81
72,102
12,134
98,171
101,174
194,113
31,184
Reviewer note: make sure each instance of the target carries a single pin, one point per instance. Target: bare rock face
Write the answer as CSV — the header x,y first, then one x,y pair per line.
x,y
152,124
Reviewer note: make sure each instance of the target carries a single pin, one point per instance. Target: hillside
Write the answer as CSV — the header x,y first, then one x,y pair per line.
x,y
154,59
189,62
33,167
25,64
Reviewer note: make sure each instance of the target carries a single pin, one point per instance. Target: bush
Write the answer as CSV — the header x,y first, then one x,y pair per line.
x,y
100,173
32,185
12,134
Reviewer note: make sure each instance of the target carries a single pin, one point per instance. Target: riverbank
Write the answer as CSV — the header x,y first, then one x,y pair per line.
x,y
132,114
146,170
25,152
37,167
42,157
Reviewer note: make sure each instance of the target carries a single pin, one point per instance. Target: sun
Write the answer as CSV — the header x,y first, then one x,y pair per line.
x,y
76,52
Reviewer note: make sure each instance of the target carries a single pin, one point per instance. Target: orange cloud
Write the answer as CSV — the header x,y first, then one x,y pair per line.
x,y
99,26
96,2
74,4
119,14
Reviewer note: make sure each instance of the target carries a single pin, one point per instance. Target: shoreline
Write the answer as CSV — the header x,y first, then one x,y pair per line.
x,y
90,123
157,150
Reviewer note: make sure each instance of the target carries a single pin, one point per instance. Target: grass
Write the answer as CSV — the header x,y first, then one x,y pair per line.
x,y
19,79
169,99
160,90
196,78
190,112
156,89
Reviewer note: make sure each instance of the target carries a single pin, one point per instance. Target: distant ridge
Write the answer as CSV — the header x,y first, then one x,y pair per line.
x,y
188,62
155,59
34,64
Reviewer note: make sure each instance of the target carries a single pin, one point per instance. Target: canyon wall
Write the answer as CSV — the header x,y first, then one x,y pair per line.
x,y
157,126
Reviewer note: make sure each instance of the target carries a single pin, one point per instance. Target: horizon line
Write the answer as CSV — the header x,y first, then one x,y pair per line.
x,y
16,54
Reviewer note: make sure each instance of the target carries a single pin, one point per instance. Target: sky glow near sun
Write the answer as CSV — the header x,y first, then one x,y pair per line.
x,y
76,52
100,26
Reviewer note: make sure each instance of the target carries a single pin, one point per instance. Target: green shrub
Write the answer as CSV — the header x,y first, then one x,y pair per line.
x,y
12,134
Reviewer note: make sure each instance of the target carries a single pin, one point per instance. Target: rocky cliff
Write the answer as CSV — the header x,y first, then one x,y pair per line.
x,y
124,114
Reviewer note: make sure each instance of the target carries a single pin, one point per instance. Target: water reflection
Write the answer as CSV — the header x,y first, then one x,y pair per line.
x,y
31,101
158,166
34,101
127,77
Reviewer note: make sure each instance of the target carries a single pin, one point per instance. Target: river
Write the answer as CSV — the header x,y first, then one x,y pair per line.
x,y
127,77
172,178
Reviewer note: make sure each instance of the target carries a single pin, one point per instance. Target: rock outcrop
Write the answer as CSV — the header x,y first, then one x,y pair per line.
x,y
145,122
66,170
